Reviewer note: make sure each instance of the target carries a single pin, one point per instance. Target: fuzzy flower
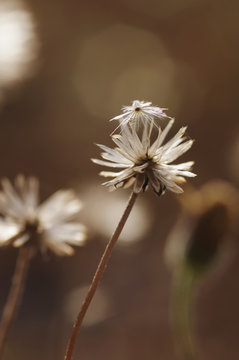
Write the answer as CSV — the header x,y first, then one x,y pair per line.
x,y
49,226
139,111
143,162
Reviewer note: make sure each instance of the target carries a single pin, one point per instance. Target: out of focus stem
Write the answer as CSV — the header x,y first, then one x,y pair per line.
x,y
15,293
184,281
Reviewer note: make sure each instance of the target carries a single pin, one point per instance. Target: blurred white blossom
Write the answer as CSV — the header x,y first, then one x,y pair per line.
x,y
51,225
137,225
19,43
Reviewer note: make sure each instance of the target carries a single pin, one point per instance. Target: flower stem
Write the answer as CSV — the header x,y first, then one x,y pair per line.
x,y
14,296
184,282
98,275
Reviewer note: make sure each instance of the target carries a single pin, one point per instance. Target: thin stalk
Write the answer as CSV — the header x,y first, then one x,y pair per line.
x,y
182,294
14,296
98,275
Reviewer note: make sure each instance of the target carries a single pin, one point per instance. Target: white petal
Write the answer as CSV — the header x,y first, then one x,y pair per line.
x,y
172,154
71,233
110,173
28,190
121,116
125,174
106,163
165,132
155,182
139,183
184,166
61,206
129,182
8,230
116,157
21,240
31,195
155,145
59,248
176,140
145,135
167,181
141,168
14,201
124,147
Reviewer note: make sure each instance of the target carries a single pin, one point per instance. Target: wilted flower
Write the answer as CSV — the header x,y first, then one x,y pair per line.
x,y
140,111
50,225
143,162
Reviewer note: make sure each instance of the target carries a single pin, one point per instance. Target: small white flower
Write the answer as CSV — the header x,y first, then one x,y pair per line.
x,y
139,111
142,162
51,225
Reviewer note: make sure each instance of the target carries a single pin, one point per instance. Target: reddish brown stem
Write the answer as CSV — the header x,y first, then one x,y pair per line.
x,y
14,297
98,275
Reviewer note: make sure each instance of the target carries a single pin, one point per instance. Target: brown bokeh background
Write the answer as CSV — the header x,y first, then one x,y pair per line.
x,y
80,61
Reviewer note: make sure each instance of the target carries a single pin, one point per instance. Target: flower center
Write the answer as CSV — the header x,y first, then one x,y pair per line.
x,y
33,227
145,160
137,109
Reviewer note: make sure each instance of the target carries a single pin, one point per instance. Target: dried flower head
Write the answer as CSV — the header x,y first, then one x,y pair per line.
x,y
142,162
50,225
139,111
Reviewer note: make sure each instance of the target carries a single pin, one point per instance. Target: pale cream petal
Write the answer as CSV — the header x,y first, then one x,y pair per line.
x,y
172,154
28,190
116,157
145,135
125,148
32,193
106,163
141,168
184,166
155,183
165,132
14,201
71,233
8,230
121,116
110,173
60,249
129,182
123,176
139,183
108,150
21,240
155,145
60,207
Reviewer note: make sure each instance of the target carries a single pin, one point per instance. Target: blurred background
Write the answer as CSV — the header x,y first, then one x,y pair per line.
x,y
66,68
